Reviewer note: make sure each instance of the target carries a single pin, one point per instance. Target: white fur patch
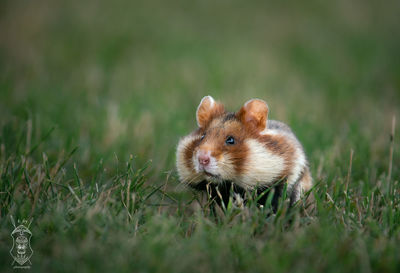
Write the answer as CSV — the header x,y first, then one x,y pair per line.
x,y
299,164
212,101
267,131
299,159
262,167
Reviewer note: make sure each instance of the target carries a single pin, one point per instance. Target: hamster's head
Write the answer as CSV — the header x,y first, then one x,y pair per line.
x,y
217,150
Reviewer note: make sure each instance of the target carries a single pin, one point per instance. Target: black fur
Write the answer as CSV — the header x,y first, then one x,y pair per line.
x,y
229,116
226,187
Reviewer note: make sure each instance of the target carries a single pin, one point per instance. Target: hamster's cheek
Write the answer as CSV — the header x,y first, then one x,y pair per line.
x,y
225,167
195,162
184,155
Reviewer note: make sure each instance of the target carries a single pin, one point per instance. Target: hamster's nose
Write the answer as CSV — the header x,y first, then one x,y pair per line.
x,y
204,159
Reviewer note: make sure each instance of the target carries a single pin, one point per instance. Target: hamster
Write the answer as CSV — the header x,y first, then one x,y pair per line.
x,y
242,151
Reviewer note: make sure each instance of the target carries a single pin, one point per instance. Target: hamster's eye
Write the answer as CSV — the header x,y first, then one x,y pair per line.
x,y
202,136
230,140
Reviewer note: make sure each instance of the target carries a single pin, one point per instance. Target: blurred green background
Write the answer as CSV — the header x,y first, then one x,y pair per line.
x,y
120,78
126,77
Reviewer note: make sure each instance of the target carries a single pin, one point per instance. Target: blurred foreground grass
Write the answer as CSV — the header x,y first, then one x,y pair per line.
x,y
83,86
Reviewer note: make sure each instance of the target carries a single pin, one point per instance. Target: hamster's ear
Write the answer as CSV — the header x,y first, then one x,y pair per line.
x,y
254,114
207,110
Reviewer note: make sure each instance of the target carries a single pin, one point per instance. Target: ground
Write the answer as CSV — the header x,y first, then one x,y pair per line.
x,y
94,96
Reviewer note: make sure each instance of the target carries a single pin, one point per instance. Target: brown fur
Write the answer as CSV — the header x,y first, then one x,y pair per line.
x,y
188,152
208,111
254,115
216,125
280,146
306,185
233,126
306,181
217,132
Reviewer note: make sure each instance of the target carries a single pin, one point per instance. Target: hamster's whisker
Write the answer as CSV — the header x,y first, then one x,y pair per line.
x,y
193,178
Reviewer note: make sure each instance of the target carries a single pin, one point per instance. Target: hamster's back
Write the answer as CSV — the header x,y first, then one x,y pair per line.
x,y
280,126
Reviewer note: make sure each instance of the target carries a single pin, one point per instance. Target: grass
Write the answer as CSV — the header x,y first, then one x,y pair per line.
x,y
94,97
